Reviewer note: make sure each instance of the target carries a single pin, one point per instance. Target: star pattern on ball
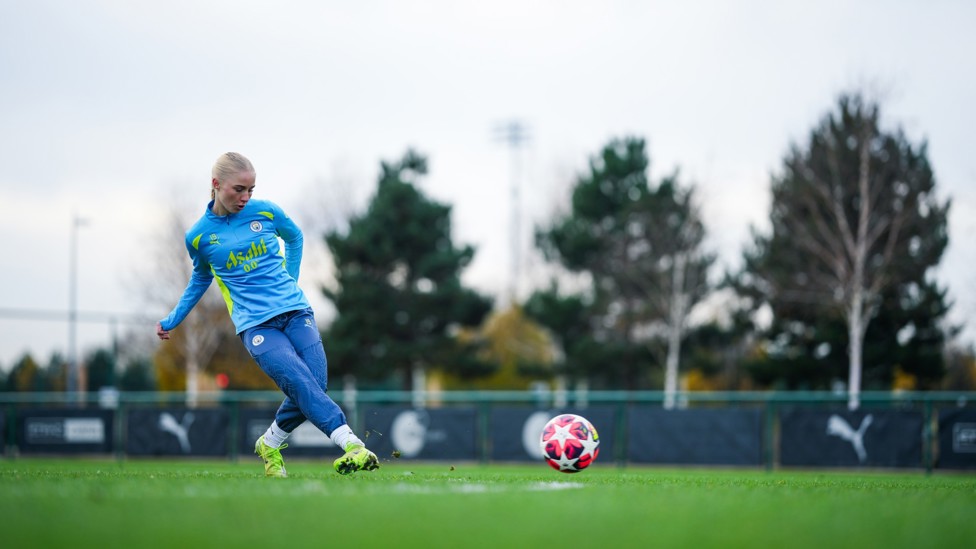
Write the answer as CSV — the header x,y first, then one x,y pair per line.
x,y
589,445
566,464
562,434
569,443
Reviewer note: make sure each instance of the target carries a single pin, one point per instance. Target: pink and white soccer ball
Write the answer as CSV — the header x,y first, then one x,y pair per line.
x,y
569,443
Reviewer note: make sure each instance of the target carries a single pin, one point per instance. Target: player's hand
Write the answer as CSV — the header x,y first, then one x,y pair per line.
x,y
163,334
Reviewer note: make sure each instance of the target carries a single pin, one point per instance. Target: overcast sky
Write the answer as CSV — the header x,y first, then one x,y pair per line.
x,y
116,110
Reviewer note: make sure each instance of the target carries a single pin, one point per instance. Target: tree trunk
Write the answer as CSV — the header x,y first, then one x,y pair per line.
x,y
559,394
855,333
418,381
582,390
349,398
857,319
192,381
676,320
201,343
671,368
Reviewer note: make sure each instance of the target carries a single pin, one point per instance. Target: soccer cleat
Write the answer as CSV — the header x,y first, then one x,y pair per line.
x,y
356,458
274,465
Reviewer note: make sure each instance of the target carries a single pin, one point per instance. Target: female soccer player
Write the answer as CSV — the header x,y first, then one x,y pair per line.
x,y
236,243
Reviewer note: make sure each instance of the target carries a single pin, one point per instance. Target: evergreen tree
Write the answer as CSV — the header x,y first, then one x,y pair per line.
x,y
856,231
520,347
400,301
566,318
101,370
138,375
57,371
28,376
960,369
641,245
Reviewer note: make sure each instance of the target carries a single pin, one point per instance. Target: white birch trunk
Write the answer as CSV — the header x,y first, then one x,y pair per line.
x,y
559,397
419,382
856,335
856,319
676,320
349,397
201,344
582,393
671,368
192,382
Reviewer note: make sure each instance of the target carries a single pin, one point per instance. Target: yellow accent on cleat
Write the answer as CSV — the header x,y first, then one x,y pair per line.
x,y
356,458
274,465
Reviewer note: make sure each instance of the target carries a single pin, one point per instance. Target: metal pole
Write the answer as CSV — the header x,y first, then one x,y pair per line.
x,y
928,435
72,305
74,378
515,134
770,436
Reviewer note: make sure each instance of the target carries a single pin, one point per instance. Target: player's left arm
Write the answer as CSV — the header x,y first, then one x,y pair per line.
x,y
200,279
294,241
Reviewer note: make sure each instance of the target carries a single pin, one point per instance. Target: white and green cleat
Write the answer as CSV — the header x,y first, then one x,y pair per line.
x,y
274,465
356,458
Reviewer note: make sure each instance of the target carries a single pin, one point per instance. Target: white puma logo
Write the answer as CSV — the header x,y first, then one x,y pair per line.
x,y
181,430
838,427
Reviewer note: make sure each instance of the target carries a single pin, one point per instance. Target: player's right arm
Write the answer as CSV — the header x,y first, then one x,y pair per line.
x,y
200,280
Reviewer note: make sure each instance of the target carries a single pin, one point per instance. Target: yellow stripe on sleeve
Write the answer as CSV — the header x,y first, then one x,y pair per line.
x,y
224,291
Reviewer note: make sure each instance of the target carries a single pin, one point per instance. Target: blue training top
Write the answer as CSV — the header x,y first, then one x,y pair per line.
x,y
242,252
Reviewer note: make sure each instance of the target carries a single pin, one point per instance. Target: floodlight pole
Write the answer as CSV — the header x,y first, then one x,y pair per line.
x,y
74,377
515,134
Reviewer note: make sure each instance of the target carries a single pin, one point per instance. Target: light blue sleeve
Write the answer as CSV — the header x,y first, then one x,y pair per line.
x,y
200,280
292,236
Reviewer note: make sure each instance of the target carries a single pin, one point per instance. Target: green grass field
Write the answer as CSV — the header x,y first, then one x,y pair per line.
x,y
86,503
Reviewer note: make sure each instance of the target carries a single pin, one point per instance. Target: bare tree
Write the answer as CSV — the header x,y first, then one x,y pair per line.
x,y
641,246
852,214
669,268
161,285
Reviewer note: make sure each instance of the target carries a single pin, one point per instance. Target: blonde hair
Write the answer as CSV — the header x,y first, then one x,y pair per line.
x,y
227,165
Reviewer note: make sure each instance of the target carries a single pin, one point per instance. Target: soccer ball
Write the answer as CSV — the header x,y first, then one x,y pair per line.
x,y
569,443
